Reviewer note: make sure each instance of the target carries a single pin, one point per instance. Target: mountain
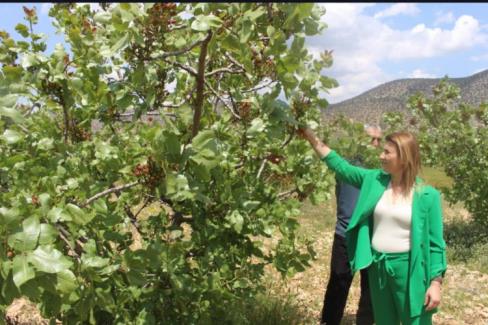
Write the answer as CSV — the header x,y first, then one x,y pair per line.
x,y
393,96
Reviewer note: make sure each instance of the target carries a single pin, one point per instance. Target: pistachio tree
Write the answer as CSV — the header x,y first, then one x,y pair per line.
x,y
454,136
189,109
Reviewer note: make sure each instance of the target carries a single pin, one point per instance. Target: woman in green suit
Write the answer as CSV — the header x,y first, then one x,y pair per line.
x,y
395,230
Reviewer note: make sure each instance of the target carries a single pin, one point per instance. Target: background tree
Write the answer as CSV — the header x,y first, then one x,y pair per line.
x,y
454,136
187,97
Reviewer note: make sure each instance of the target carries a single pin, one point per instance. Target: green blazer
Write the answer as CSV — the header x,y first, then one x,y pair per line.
x,y
427,246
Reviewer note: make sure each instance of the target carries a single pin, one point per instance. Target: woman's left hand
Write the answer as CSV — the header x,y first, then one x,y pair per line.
x,y
433,296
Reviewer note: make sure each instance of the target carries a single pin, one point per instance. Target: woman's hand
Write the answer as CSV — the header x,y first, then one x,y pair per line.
x,y
306,133
433,296
320,148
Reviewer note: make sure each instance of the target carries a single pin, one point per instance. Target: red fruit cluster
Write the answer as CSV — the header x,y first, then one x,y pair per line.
x,y
141,170
29,12
80,134
88,27
150,173
274,158
244,109
35,200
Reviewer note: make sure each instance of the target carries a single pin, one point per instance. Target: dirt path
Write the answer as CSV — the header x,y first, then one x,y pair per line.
x,y
464,292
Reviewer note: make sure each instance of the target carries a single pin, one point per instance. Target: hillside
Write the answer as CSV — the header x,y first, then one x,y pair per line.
x,y
393,96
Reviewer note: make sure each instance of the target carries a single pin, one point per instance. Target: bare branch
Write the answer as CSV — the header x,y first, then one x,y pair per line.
x,y
287,141
234,61
133,219
184,50
222,100
64,234
261,168
258,87
200,82
176,217
188,69
146,202
285,194
109,191
153,113
222,70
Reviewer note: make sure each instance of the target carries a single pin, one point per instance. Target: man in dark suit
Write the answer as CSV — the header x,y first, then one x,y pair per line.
x,y
340,278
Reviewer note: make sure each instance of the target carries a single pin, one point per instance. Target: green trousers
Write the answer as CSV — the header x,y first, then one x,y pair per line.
x,y
388,282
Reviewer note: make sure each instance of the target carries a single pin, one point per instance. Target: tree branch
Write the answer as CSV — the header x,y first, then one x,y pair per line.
x,y
177,218
258,87
184,50
109,191
200,82
261,168
287,141
188,69
64,234
283,195
222,100
235,62
222,70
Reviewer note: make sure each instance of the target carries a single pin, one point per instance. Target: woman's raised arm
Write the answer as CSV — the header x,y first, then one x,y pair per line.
x,y
320,148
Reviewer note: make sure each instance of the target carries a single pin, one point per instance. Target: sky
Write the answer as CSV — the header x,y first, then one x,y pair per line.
x,y
372,43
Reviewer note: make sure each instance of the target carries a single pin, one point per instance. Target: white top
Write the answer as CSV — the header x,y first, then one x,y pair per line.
x,y
392,220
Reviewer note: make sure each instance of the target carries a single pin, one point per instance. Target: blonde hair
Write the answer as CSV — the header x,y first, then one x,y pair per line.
x,y
409,155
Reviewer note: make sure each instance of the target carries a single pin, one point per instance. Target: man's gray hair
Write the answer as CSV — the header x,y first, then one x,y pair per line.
x,y
369,126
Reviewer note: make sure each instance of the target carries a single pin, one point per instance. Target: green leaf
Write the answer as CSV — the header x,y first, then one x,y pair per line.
x,y
177,187
22,271
203,23
12,113
257,126
9,216
27,238
93,262
22,29
47,234
78,215
13,74
245,32
236,220
12,136
169,145
32,227
254,14
328,82
45,144
102,17
8,100
58,214
231,43
120,45
203,139
50,260
29,59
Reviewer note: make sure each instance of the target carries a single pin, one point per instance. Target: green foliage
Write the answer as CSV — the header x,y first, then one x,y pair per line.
x,y
454,135
213,150
352,141
467,243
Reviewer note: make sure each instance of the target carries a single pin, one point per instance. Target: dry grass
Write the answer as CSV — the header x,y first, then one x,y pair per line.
x,y
465,289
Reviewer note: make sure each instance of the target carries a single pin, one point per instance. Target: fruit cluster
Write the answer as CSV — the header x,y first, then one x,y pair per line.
x,y
275,158
150,173
80,134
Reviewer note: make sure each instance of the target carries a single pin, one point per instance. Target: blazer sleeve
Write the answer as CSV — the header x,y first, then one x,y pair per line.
x,y
345,171
438,264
